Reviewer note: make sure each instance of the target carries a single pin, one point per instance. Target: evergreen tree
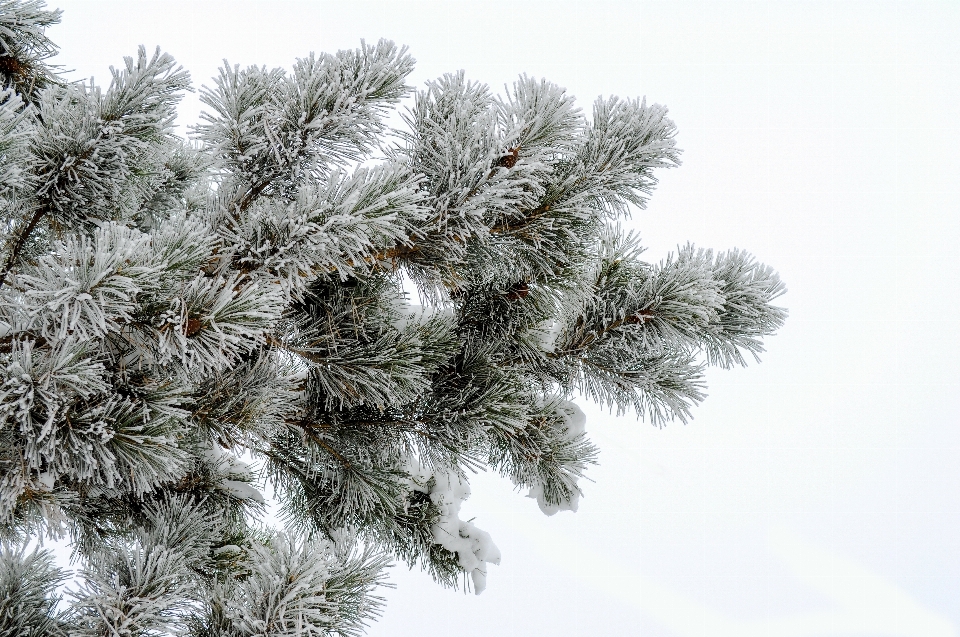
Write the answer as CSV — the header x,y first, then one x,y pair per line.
x,y
170,307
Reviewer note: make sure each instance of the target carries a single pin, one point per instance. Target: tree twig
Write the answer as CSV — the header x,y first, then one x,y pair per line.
x,y
20,243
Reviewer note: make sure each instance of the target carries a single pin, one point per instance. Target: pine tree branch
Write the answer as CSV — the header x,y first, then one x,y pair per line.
x,y
144,329
333,452
21,242
592,336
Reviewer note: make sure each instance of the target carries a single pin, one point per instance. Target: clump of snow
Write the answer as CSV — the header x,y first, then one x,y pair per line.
x,y
230,466
228,548
242,490
407,313
47,479
575,420
570,504
548,333
412,313
473,546
574,424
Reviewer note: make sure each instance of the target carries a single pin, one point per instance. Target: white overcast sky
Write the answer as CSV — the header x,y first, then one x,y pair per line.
x,y
817,493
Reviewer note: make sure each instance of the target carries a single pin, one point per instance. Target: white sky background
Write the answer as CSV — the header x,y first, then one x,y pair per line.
x,y
817,493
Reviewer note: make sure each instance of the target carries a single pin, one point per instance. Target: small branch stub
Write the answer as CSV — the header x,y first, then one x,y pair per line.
x,y
518,291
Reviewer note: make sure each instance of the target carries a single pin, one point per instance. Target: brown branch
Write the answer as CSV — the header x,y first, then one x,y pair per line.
x,y
6,342
393,253
20,243
252,193
528,217
592,336
44,209
306,428
273,341
333,452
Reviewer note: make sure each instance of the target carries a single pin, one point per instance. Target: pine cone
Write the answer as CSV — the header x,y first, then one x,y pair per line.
x,y
639,317
518,291
510,159
194,325
11,66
